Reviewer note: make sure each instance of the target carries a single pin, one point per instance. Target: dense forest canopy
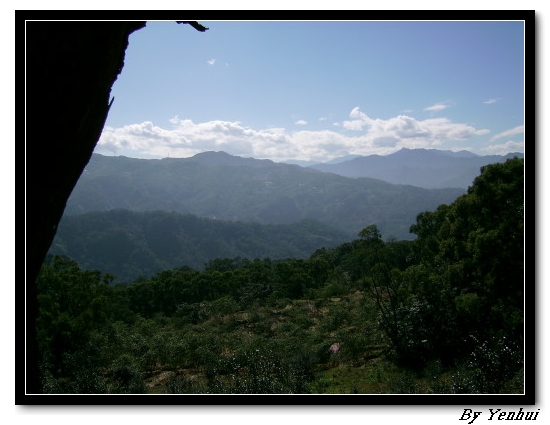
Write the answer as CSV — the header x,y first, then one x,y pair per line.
x,y
444,313
130,244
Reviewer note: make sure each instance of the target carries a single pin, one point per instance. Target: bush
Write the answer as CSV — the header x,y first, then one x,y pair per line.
x,y
177,384
126,378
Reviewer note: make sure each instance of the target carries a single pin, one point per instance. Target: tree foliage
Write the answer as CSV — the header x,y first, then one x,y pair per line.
x,y
470,290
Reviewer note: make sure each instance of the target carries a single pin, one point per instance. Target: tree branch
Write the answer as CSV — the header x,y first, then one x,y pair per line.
x,y
194,24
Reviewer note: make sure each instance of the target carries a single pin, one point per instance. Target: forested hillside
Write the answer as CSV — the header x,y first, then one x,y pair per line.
x,y
224,187
131,244
442,314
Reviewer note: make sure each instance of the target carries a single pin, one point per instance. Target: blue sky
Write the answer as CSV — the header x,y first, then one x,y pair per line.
x,y
319,90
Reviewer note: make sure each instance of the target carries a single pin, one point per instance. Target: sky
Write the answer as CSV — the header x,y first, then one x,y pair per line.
x,y
319,90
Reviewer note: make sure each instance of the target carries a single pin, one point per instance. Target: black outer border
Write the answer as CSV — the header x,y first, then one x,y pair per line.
x,y
207,18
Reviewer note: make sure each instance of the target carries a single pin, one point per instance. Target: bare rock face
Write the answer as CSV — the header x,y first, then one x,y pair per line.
x,y
70,68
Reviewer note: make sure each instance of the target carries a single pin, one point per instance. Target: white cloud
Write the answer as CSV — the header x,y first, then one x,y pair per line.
x,y
211,62
437,107
359,120
508,133
491,101
352,125
405,128
374,136
301,122
504,148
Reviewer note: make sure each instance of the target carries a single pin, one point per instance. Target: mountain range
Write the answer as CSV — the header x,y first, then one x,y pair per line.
x,y
220,186
428,168
135,217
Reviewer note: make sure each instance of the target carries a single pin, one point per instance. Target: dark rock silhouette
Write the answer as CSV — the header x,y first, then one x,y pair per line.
x,y
70,69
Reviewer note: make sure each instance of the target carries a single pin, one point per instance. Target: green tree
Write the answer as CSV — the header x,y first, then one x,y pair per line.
x,y
72,303
468,288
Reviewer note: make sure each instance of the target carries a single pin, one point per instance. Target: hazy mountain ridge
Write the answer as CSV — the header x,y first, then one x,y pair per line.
x,y
220,186
427,168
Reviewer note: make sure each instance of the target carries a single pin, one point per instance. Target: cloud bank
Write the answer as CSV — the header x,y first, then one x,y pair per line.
x,y
360,135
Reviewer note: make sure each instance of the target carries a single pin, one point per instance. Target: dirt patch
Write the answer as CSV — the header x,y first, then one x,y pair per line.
x,y
157,382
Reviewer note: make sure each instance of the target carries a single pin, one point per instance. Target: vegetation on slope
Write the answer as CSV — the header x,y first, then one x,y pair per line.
x,y
130,244
440,314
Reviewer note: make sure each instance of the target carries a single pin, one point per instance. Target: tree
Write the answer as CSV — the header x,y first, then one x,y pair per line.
x,y
371,234
72,303
469,287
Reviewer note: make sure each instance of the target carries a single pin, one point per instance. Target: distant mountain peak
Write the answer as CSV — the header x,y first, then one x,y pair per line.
x,y
438,152
212,153
428,168
343,159
214,158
